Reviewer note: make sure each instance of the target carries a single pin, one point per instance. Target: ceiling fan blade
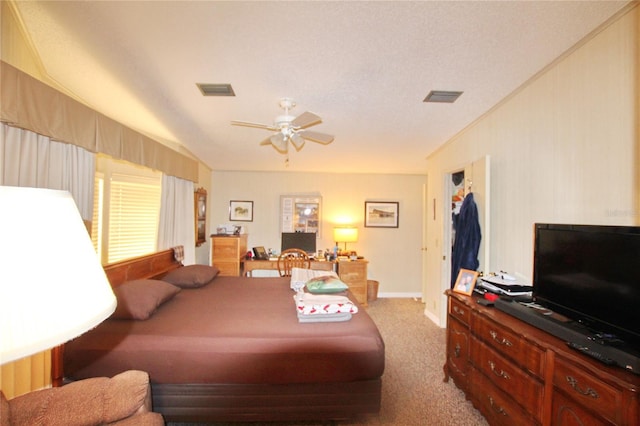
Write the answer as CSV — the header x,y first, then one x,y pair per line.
x,y
267,141
256,125
318,137
306,119
279,142
297,141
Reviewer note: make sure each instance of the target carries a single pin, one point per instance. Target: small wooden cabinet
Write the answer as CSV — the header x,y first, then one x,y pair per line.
x,y
354,274
227,253
515,373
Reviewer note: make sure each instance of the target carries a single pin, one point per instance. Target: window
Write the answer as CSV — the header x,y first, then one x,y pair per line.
x,y
126,210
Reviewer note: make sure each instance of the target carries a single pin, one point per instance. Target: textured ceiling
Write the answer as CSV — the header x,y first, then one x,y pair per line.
x,y
364,67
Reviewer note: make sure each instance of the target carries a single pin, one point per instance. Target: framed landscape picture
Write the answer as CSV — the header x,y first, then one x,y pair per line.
x,y
241,211
381,214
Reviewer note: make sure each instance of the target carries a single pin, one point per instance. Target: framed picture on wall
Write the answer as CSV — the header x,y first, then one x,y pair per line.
x,y
301,213
241,211
381,214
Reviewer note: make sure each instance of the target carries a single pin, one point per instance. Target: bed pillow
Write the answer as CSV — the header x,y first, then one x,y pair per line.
x,y
191,276
300,276
139,299
326,284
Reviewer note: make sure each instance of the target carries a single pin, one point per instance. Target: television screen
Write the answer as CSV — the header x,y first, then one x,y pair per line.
x,y
590,274
302,240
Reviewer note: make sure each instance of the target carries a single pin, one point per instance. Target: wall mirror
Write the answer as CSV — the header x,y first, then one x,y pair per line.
x,y
200,209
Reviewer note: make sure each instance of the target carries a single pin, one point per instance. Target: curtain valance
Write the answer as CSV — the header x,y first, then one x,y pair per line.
x,y
30,104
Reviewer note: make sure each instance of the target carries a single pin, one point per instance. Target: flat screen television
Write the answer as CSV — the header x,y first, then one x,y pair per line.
x,y
590,274
302,240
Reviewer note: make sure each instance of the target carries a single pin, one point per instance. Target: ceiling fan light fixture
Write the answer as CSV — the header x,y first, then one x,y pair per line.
x,y
297,141
279,143
290,128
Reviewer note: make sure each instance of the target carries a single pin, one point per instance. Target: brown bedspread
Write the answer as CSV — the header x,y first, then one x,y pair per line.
x,y
234,330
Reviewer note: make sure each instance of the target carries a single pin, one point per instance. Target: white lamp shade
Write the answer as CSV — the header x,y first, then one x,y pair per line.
x,y
345,234
52,285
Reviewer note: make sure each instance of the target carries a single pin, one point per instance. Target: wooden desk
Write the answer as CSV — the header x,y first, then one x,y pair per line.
x,y
248,266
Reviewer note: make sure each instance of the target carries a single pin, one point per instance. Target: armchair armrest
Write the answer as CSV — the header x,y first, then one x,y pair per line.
x,y
100,400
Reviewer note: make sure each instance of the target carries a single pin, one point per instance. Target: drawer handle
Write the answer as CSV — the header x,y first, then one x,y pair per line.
x,y
457,350
458,310
500,373
502,341
496,407
588,392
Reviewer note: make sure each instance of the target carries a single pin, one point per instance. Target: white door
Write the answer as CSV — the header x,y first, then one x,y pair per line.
x,y
476,180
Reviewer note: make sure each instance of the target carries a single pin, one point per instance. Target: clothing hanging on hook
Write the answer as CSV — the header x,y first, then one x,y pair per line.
x,y
467,239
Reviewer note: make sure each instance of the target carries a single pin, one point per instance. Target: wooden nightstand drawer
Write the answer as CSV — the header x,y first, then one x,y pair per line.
x,y
588,391
509,344
460,311
522,387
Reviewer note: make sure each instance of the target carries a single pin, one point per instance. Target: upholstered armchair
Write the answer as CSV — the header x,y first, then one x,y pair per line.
x,y
124,399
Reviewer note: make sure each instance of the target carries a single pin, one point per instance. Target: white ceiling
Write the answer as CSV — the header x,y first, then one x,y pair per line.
x,y
364,67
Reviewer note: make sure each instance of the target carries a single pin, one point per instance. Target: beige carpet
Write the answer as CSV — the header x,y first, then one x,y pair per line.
x,y
413,392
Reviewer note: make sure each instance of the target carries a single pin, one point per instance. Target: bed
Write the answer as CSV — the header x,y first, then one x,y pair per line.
x,y
234,350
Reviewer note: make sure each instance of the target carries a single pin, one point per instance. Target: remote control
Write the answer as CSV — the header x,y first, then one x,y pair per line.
x,y
593,354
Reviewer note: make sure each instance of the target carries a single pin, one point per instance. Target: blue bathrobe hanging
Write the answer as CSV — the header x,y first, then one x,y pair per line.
x,y
467,240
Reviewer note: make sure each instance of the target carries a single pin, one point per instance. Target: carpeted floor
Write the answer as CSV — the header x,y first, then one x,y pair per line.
x,y
413,392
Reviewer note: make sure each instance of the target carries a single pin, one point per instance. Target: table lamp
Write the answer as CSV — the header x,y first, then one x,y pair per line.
x,y
52,285
345,234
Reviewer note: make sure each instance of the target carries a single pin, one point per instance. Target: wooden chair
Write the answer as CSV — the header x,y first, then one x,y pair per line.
x,y
292,258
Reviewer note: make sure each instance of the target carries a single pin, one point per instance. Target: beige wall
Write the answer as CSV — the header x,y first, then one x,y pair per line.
x,y
394,253
563,149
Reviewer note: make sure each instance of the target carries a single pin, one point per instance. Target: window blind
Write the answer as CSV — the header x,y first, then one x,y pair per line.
x,y
134,209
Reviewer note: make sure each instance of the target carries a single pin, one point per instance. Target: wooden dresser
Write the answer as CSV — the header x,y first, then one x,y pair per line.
x,y
354,274
515,373
227,253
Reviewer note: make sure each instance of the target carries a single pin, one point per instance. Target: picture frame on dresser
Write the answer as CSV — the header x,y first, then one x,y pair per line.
x,y
466,281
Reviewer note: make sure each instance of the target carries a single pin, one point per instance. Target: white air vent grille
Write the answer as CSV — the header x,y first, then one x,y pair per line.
x,y
442,96
215,89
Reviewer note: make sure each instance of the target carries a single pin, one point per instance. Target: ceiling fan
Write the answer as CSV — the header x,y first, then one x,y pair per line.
x,y
290,129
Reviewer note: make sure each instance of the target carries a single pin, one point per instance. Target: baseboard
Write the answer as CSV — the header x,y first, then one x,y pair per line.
x,y
434,319
401,295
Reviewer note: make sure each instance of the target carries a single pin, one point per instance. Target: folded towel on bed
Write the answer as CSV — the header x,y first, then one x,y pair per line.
x,y
339,317
322,304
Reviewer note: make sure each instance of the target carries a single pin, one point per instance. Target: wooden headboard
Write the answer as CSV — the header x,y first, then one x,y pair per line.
x,y
153,265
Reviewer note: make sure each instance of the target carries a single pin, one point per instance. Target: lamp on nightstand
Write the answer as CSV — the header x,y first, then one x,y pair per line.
x,y
52,285
345,234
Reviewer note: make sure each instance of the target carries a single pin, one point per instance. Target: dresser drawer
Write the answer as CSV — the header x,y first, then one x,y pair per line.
x,y
509,344
588,391
457,351
459,311
565,412
226,250
495,404
359,292
228,269
522,387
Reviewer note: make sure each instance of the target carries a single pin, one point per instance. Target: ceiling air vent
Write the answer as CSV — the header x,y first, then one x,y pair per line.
x,y
215,89
442,96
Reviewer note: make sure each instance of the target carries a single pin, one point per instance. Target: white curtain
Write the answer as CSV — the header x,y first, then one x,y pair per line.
x,y
177,220
30,159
